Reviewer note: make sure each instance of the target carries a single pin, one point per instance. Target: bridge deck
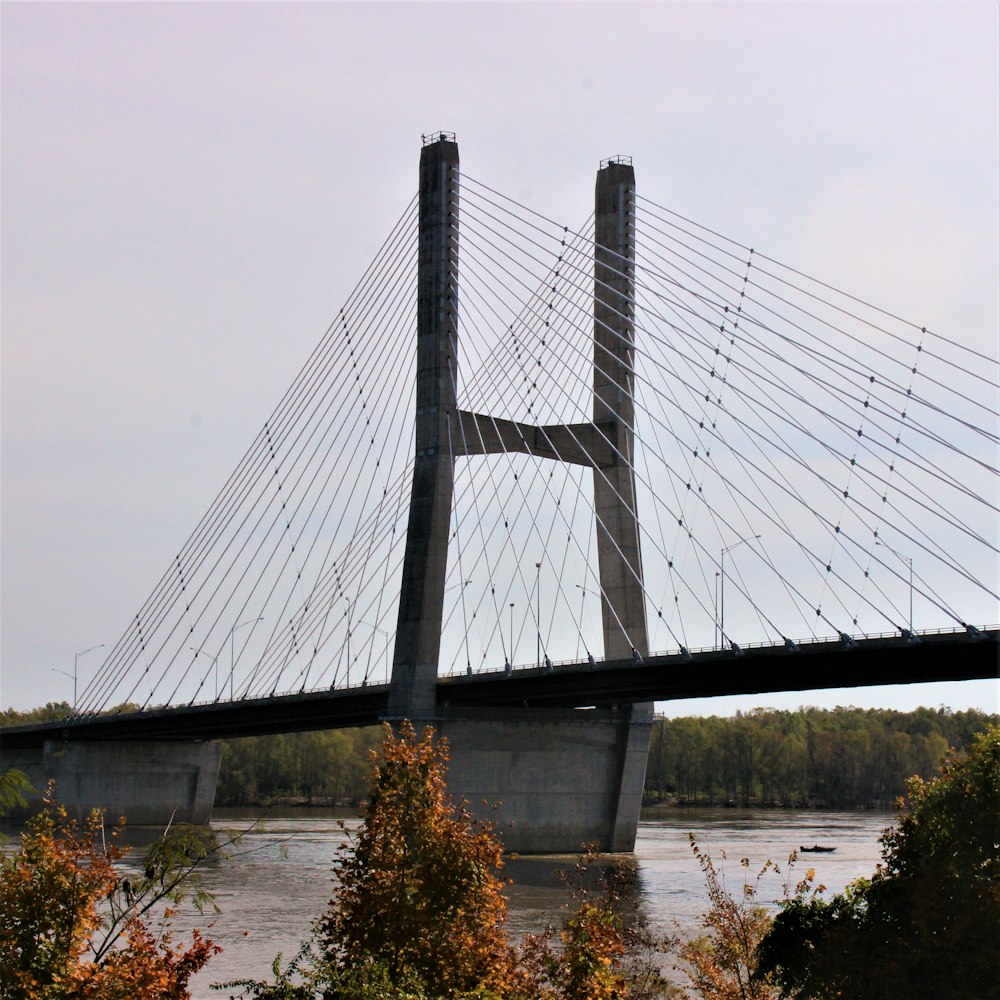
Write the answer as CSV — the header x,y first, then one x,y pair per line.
x,y
947,656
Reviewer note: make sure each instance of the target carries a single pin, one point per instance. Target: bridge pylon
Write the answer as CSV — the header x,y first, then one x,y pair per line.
x,y
552,779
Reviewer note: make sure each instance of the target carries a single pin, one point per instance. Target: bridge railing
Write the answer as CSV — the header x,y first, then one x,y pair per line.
x,y
894,634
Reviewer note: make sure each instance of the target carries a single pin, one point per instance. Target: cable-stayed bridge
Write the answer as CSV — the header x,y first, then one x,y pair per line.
x,y
526,455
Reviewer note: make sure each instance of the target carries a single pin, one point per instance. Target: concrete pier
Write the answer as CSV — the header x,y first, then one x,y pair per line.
x,y
552,780
149,783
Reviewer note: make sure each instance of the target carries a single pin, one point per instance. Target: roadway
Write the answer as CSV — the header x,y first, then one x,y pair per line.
x,y
761,669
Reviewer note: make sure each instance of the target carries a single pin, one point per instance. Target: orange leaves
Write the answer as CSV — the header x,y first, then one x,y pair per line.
x,y
69,926
722,964
421,893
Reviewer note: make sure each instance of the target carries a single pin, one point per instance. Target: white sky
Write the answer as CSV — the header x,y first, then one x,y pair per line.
x,y
190,191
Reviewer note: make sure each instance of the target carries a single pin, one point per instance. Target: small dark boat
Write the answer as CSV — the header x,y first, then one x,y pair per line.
x,y
816,849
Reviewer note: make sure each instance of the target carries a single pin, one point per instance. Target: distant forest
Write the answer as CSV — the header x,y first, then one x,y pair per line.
x,y
845,758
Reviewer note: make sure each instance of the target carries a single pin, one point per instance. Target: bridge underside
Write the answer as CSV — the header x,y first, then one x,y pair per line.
x,y
572,767
813,666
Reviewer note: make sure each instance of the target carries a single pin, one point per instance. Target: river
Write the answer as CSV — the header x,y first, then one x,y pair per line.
x,y
272,892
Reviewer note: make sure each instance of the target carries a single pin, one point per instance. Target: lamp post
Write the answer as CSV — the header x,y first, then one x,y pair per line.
x,y
512,633
538,611
72,677
215,663
905,559
381,631
722,585
232,649
717,643
76,660
583,598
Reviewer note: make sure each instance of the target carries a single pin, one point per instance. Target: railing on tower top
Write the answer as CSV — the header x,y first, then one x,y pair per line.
x,y
433,137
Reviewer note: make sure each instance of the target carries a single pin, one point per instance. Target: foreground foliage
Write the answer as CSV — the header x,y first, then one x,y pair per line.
x,y
722,963
927,924
419,910
71,926
419,893
419,913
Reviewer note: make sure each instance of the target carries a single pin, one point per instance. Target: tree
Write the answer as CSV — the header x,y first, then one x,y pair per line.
x,y
419,912
14,786
419,893
71,926
722,964
927,924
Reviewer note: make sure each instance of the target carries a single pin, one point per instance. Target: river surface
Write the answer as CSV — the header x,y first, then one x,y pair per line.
x,y
276,888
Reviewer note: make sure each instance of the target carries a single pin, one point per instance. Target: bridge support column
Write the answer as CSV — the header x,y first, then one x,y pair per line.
x,y
150,784
425,560
619,552
552,780
562,778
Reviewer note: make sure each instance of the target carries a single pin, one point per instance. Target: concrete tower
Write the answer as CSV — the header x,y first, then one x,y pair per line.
x,y
553,779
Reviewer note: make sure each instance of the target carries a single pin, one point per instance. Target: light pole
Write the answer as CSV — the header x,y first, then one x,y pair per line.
x,y
512,633
583,598
722,585
381,631
215,663
232,649
538,610
76,660
717,642
72,677
905,559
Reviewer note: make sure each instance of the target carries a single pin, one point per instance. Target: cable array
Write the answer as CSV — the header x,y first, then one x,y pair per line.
x,y
806,464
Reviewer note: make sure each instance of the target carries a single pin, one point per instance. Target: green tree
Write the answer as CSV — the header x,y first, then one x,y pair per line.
x,y
927,924
14,786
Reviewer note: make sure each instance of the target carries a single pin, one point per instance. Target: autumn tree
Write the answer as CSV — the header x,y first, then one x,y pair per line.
x,y
927,924
419,893
721,963
72,925
604,949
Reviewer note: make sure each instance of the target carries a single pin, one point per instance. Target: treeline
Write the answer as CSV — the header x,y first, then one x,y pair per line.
x,y
323,767
847,758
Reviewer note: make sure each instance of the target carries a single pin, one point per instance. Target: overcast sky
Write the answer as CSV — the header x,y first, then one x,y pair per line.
x,y
190,191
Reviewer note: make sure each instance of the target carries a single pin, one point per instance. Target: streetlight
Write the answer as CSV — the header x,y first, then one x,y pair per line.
x,y
215,663
76,660
722,585
905,559
72,677
382,631
583,597
512,632
717,643
232,649
538,611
